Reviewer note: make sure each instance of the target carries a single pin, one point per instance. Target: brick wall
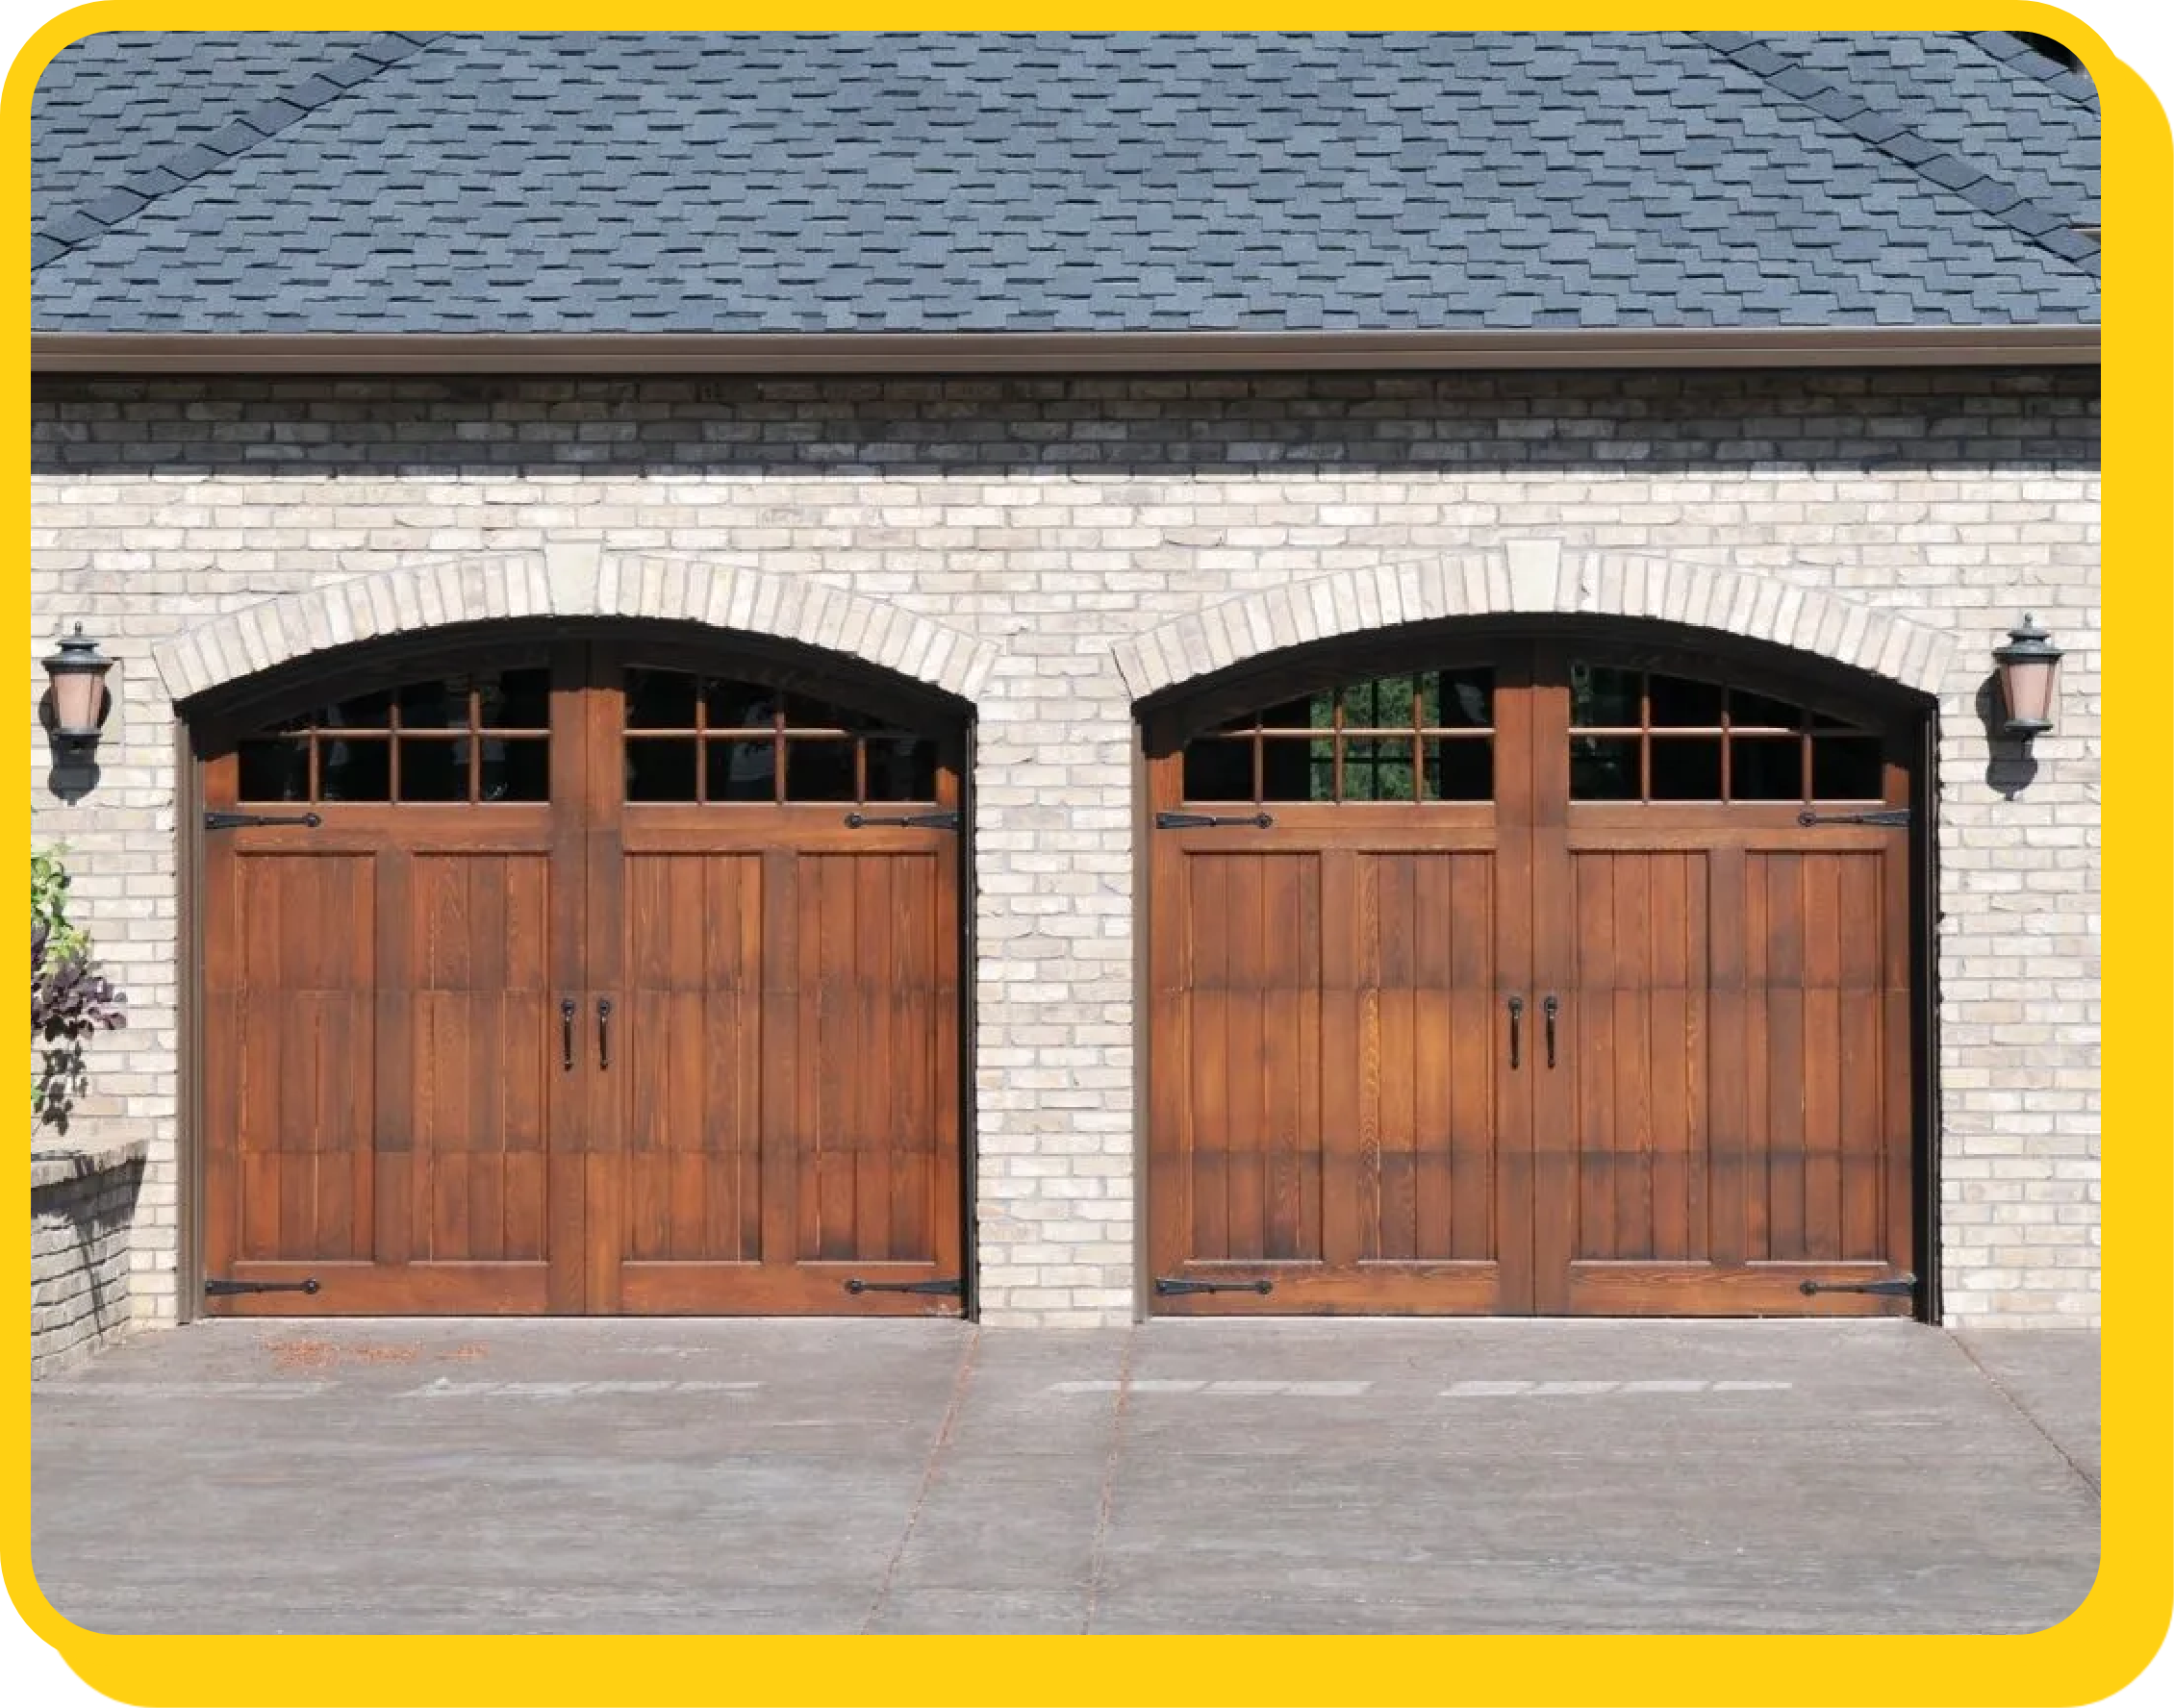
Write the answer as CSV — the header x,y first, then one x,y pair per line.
x,y
1062,525
80,1207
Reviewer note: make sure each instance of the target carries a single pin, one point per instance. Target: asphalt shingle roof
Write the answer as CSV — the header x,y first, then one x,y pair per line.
x,y
817,183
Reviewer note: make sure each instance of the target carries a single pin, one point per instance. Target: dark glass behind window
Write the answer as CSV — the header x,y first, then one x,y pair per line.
x,y
1687,768
1218,771
433,771
517,770
354,768
1678,703
274,770
1603,697
818,770
1847,767
660,769
660,699
1459,770
1768,768
1603,768
901,769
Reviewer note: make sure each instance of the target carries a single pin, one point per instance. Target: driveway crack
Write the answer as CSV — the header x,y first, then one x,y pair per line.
x,y
961,1381
2029,1417
1099,1552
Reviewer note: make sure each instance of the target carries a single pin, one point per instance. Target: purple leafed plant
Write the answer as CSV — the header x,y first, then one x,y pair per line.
x,y
69,997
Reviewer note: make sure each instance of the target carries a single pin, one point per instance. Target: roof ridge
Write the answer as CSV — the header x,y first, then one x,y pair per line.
x,y
121,200
2050,228
2020,56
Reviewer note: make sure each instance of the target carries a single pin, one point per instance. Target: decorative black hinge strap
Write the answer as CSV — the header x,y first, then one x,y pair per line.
x,y
244,820
1900,1287
919,820
1169,1284
1885,815
950,1286
1210,821
217,1289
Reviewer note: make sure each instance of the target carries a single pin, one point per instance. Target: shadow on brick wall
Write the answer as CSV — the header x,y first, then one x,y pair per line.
x,y
1249,425
82,1211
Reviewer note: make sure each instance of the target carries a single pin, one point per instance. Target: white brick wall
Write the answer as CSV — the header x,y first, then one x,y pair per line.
x,y
1057,546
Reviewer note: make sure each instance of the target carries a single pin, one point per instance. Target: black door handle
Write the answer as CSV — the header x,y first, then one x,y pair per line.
x,y
566,1033
1550,1008
1516,1021
603,1031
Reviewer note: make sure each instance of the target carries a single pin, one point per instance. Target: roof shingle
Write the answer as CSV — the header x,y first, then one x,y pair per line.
x,y
783,183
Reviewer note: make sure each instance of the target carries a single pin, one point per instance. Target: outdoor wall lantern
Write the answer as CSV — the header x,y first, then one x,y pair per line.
x,y
2028,663
78,669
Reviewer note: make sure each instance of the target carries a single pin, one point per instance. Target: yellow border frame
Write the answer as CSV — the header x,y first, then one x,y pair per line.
x,y
2096,1651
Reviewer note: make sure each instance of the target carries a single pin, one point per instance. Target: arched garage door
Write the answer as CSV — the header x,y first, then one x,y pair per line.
x,y
1515,976
580,976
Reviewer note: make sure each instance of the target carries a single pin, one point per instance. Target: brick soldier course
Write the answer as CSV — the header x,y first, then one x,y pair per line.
x,y
1050,550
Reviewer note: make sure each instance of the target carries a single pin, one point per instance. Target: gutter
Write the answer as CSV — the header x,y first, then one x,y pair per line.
x,y
1059,352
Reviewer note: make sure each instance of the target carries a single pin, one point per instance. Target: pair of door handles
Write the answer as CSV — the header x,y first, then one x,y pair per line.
x,y
567,1008
1548,1010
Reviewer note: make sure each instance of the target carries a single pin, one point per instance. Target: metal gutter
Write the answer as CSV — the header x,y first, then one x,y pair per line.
x,y
1055,353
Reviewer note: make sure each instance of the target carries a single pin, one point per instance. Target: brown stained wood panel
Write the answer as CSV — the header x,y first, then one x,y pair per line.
x,y
1330,1121
292,1064
1208,927
1859,1055
1783,999
1589,1145
1634,1032
1396,922
1364,1156
1244,1136
483,1051
914,1003
872,1042
1631,1096
1460,897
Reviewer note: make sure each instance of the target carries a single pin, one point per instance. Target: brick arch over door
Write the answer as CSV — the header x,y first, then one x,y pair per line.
x,y
574,580
1536,577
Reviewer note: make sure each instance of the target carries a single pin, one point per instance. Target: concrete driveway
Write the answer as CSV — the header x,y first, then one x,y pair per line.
x,y
921,1476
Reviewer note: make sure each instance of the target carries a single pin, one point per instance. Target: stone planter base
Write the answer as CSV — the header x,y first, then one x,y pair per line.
x,y
81,1204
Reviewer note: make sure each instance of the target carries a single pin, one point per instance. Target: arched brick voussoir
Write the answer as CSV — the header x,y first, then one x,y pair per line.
x,y
1540,577
573,579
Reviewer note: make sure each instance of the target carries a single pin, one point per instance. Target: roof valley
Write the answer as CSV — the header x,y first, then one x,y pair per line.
x,y
2048,227
92,217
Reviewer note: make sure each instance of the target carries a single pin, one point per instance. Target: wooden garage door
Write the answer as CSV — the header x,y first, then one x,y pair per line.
x,y
590,978
1556,980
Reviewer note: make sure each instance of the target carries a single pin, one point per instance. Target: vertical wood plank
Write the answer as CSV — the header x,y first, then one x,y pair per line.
x,y
1862,1066
875,903
1209,924
1245,1069
1630,1098
1726,1109
1343,1211
1434,1043
1470,930
1671,1051
1823,926
1785,1056
913,1025
1290,925
1398,1071
1368,972
781,1066
1594,1131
